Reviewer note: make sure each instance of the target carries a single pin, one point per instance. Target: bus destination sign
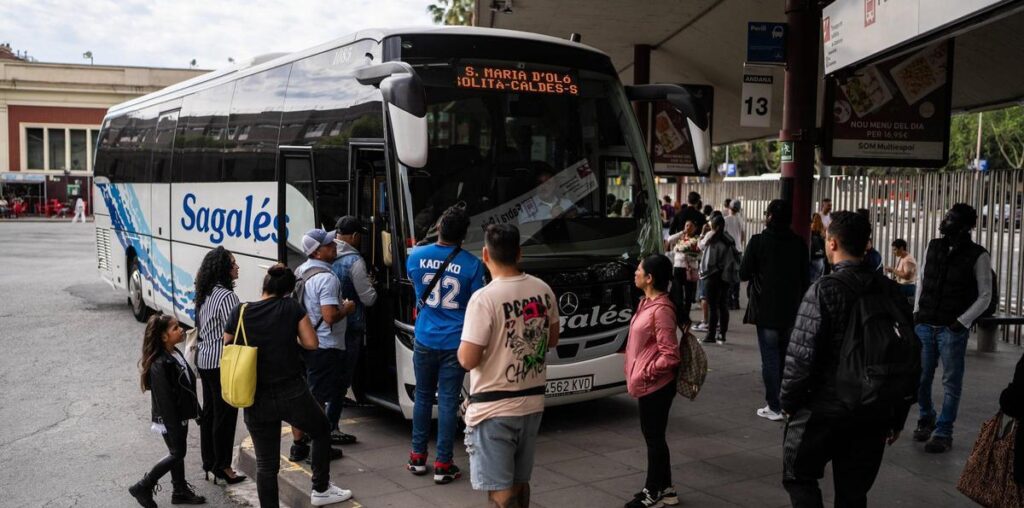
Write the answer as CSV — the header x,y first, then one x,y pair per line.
x,y
501,79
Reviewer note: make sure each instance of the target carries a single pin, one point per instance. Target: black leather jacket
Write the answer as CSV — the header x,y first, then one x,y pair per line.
x,y
812,358
172,390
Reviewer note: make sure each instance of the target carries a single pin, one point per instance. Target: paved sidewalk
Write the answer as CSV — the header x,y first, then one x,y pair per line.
x,y
593,455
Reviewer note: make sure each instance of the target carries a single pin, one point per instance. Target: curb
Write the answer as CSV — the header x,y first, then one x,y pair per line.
x,y
293,480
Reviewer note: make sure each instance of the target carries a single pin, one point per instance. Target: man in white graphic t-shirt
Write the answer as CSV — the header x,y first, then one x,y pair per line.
x,y
510,325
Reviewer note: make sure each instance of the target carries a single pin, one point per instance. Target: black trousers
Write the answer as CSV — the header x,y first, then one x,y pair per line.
x,y
684,293
718,305
654,409
217,426
853,445
289,401
176,440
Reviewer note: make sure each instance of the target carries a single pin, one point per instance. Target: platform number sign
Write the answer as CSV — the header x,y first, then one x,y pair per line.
x,y
756,104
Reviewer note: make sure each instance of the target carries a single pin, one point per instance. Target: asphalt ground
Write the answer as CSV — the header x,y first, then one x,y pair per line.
x,y
74,424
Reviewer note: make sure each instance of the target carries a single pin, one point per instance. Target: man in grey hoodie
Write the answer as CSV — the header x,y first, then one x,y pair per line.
x,y
356,285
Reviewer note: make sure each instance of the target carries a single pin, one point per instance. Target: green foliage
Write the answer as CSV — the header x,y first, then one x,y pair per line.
x,y
452,12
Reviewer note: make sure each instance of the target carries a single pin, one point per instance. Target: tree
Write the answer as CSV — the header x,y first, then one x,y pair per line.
x,y
1007,128
452,12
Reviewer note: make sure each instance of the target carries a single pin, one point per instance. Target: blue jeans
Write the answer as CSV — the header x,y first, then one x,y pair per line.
x,y
941,343
437,371
772,342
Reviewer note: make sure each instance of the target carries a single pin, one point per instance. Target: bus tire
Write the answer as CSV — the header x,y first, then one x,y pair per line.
x,y
135,300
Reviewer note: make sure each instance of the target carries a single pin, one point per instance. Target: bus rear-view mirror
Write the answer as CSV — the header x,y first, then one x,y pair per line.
x,y
407,113
698,121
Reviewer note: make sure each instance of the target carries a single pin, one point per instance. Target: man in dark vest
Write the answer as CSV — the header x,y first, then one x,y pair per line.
x,y
953,290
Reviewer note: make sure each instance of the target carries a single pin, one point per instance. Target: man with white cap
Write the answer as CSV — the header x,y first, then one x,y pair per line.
x,y
318,290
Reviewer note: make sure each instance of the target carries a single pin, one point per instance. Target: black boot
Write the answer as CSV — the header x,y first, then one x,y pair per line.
x,y
184,493
143,491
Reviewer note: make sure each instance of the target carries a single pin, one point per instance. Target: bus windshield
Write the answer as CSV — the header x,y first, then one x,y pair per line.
x,y
551,150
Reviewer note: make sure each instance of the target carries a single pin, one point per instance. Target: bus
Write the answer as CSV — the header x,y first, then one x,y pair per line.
x,y
393,127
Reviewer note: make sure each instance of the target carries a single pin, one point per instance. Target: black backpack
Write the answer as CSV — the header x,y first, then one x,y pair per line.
x,y
299,293
880,358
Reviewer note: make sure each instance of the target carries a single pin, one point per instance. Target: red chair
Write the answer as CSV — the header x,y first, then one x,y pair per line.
x,y
18,209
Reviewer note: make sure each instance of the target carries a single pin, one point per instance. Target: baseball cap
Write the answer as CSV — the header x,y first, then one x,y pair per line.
x,y
316,238
348,225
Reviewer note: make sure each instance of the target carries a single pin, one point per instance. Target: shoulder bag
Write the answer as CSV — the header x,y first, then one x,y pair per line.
x,y
693,365
987,478
238,368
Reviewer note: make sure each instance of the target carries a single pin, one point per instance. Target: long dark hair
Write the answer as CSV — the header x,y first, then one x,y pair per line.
x,y
660,269
216,269
152,345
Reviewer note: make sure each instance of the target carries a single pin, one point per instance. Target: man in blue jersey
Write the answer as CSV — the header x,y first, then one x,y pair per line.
x,y
440,314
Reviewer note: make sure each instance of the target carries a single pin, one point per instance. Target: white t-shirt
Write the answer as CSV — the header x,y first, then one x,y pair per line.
x,y
734,226
826,219
511,319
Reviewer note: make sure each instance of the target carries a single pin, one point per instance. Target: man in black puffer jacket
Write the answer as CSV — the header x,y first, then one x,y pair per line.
x,y
820,427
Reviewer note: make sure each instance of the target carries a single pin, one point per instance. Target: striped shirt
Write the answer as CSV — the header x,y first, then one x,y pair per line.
x,y
213,316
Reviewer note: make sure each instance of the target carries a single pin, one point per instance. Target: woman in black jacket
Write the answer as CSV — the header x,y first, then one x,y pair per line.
x,y
719,268
172,387
1011,403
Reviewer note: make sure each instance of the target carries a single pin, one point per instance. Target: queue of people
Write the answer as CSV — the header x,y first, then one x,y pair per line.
x,y
308,326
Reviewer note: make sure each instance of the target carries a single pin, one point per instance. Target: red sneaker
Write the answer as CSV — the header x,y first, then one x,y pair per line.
x,y
417,463
446,472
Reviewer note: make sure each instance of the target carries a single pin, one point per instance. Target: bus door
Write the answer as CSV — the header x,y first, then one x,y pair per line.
x,y
296,188
370,202
162,144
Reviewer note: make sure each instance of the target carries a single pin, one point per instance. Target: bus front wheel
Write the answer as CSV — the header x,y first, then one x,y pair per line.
x,y
138,305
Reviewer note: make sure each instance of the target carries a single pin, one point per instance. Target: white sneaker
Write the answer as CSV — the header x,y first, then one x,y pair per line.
x,y
700,327
333,494
766,412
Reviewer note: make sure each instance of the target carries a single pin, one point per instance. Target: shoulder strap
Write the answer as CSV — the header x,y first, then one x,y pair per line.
x,y
437,277
240,327
312,272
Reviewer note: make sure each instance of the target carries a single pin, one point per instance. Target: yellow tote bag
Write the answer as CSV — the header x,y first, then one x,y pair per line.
x,y
238,369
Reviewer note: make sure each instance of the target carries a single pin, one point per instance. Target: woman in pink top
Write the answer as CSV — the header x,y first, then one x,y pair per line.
x,y
652,357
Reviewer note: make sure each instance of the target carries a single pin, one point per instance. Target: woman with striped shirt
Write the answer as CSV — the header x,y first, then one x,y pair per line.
x,y
215,299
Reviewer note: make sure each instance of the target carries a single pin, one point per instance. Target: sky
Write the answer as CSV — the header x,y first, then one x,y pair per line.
x,y
170,33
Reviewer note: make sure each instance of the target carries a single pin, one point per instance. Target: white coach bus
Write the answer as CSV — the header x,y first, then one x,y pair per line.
x,y
394,126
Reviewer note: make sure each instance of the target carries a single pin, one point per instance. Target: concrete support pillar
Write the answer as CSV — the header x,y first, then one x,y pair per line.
x,y
799,110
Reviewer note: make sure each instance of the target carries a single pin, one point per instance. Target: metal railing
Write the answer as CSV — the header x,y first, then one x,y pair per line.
x,y
909,207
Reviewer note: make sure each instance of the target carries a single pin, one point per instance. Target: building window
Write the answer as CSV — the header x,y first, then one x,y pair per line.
x,y
59,148
79,150
34,140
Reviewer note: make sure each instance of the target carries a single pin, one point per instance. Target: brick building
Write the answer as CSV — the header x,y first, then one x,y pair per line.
x,y
50,115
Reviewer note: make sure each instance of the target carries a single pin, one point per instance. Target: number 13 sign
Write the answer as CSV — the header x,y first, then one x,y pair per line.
x,y
756,103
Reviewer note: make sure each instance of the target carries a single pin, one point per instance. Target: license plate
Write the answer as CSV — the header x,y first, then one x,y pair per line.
x,y
569,385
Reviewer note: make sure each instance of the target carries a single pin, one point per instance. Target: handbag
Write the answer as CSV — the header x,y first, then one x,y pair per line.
x,y
987,478
238,368
693,365
192,347
753,301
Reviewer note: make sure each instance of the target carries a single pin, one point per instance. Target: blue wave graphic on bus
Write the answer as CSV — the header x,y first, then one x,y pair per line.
x,y
246,222
129,221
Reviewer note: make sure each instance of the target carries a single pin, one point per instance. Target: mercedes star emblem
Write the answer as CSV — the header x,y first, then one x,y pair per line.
x,y
568,303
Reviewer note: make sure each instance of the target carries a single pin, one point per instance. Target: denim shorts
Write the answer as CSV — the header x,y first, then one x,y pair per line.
x,y
501,451
701,292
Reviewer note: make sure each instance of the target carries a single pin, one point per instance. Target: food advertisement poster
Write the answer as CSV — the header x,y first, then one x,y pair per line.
x,y
671,148
892,113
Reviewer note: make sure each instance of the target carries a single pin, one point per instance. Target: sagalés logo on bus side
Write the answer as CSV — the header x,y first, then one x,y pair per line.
x,y
568,304
245,222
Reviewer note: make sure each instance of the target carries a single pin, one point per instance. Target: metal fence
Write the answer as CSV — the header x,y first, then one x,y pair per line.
x,y
909,207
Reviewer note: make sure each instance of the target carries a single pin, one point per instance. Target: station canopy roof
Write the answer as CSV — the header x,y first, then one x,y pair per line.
x,y
704,42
